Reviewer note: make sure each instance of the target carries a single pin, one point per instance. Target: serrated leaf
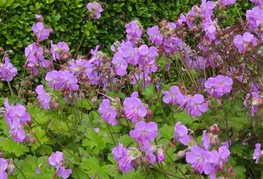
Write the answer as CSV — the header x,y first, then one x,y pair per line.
x,y
29,166
84,103
167,131
126,140
11,147
149,92
40,136
59,127
92,166
183,117
94,142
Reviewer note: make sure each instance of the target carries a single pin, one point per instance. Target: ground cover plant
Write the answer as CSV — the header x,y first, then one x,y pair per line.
x,y
179,99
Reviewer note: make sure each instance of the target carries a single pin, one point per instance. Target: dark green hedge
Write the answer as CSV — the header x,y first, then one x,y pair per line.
x,y
68,18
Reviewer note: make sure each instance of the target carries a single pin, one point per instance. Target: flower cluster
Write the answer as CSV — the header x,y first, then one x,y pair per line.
x,y
56,160
205,161
35,58
244,42
134,30
16,117
7,70
254,17
130,158
62,80
155,35
195,105
125,157
59,50
81,68
219,85
133,108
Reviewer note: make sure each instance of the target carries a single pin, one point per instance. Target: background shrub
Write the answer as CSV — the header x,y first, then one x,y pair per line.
x,y
68,18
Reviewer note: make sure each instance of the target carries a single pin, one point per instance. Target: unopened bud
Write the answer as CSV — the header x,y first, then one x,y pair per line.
x,y
54,105
149,113
214,129
172,142
94,100
181,154
215,141
29,123
39,18
145,161
11,166
10,52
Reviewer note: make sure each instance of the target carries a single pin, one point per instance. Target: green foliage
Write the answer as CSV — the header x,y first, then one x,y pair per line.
x,y
95,142
29,166
92,166
9,146
70,18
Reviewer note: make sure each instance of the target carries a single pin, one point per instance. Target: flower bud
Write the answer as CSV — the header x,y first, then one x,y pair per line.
x,y
172,142
181,154
54,105
94,100
160,154
11,167
214,129
10,52
39,17
29,123
145,161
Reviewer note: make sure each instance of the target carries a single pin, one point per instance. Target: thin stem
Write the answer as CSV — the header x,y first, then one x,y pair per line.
x,y
111,135
175,164
81,41
10,88
227,128
53,138
166,173
20,170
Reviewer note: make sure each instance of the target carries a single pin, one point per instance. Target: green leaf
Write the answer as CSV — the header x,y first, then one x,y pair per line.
x,y
59,127
92,166
11,147
149,92
167,131
2,2
95,142
85,103
183,117
240,171
29,166
40,136
237,149
126,140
